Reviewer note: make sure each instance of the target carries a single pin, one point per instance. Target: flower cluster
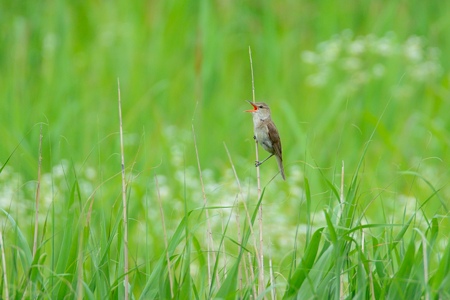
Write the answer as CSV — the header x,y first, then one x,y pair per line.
x,y
358,61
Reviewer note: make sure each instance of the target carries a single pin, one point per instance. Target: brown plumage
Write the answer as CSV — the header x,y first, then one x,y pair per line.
x,y
266,133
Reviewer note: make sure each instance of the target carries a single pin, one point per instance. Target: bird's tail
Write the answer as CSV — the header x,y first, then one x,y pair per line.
x,y
280,166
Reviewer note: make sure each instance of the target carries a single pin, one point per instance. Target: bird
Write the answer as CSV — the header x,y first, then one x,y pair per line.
x,y
266,133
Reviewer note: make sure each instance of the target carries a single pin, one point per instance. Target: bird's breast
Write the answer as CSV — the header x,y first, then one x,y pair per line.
x,y
262,137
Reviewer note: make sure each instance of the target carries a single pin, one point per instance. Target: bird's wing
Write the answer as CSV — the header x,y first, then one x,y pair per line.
x,y
276,145
274,138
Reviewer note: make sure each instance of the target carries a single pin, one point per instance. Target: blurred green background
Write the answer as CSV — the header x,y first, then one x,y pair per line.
x,y
183,63
337,75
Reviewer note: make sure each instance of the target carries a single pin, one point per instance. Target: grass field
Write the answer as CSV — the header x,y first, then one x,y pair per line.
x,y
359,90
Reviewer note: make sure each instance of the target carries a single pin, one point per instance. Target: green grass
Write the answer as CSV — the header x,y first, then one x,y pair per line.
x,y
364,84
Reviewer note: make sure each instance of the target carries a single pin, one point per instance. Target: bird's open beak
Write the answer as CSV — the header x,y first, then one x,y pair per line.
x,y
255,108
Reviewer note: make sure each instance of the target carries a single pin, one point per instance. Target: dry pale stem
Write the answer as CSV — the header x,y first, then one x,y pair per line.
x,y
5,278
245,208
38,191
260,218
252,275
272,280
209,239
124,198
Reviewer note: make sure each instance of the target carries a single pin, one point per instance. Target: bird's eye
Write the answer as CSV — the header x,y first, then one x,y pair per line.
x,y
260,106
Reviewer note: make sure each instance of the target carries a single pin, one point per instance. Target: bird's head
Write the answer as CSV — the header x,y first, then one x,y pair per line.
x,y
261,109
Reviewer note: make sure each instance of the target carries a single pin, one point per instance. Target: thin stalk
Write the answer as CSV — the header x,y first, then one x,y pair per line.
x,y
425,262
245,208
273,292
260,217
209,239
252,275
38,192
80,260
341,196
5,277
124,198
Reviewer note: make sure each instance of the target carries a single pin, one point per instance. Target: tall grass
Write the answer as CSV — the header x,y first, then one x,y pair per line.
x,y
365,84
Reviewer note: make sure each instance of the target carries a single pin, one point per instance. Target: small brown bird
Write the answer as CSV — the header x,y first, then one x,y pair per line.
x,y
266,133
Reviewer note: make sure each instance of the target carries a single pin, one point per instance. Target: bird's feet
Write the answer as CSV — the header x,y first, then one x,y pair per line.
x,y
257,163
254,137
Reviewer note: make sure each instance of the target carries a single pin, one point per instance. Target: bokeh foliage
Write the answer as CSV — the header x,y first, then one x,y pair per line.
x,y
336,75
